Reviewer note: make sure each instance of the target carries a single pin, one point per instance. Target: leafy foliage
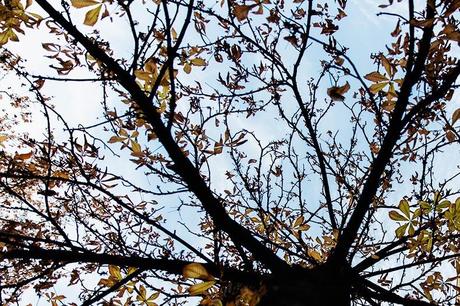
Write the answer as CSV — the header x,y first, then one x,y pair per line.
x,y
232,153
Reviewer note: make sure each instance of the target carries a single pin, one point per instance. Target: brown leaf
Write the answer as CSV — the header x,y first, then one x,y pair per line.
x,y
387,65
241,11
375,77
455,116
336,92
23,156
450,135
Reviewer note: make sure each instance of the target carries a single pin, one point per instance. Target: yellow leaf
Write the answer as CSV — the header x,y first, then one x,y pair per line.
x,y
115,272
315,255
200,288
404,207
455,116
143,75
92,16
388,105
136,147
187,68
4,37
131,270
241,12
83,3
391,91
173,34
388,68
3,138
196,270
12,36
142,294
375,77
298,221
375,88
198,62
162,107
411,229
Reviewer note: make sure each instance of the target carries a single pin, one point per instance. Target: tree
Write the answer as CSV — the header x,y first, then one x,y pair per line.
x,y
239,156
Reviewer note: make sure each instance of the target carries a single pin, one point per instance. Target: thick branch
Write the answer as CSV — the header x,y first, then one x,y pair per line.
x,y
386,152
171,266
184,167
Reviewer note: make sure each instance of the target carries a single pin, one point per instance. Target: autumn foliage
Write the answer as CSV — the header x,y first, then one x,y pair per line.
x,y
230,152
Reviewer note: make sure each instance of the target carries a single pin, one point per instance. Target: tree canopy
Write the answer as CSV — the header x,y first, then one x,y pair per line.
x,y
231,152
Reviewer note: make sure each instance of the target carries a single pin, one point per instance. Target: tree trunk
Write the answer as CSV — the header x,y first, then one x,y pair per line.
x,y
297,292
323,286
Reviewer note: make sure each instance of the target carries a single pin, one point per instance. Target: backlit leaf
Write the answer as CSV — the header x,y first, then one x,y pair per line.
x,y
404,207
375,77
298,221
136,147
83,3
187,68
387,65
115,272
196,270
375,88
198,62
450,135
92,16
315,255
400,231
200,288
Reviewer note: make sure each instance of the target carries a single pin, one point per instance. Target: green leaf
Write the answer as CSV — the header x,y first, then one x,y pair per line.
x,y
401,230
424,205
92,16
411,229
